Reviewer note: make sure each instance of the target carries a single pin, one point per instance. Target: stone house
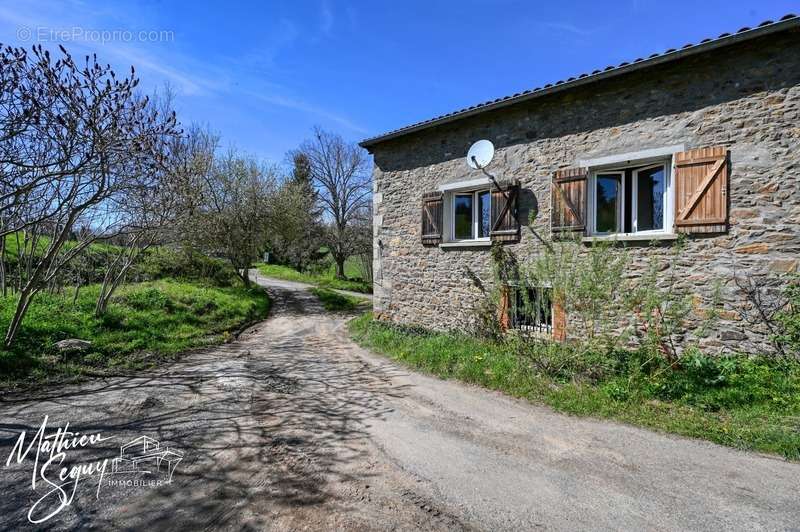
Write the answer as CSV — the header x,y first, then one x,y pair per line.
x,y
702,140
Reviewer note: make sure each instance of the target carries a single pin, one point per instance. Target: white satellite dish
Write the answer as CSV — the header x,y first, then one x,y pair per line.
x,y
480,154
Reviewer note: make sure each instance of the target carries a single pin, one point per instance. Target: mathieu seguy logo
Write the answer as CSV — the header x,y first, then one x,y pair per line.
x,y
145,456
142,462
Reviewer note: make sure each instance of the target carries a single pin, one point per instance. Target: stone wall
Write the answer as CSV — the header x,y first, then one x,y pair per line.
x,y
745,97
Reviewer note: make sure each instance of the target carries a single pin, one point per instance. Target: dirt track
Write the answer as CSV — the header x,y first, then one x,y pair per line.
x,y
294,427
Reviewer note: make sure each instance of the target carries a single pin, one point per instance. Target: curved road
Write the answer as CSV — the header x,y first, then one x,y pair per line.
x,y
294,427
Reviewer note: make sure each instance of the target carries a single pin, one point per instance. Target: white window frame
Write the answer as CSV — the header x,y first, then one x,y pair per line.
x,y
669,195
475,214
635,201
620,201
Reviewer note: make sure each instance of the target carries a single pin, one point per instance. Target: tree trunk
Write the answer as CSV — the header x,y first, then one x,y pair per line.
x,y
110,284
3,288
339,267
243,276
102,299
77,291
25,297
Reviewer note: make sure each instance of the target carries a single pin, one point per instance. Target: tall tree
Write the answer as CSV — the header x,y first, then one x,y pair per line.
x,y
339,171
297,230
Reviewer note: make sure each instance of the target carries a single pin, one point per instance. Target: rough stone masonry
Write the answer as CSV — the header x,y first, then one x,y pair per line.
x,y
744,96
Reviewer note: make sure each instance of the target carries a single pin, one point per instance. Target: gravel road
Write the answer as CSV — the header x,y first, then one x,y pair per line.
x,y
293,427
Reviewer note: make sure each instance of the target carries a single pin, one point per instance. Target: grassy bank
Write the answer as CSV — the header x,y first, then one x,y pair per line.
x,y
747,403
323,280
336,302
145,323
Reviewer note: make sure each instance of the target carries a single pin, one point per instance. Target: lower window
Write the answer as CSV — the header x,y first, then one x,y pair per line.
x,y
531,309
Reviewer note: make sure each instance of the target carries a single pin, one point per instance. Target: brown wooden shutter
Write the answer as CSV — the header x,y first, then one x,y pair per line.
x,y
559,321
568,202
505,221
432,218
504,307
701,190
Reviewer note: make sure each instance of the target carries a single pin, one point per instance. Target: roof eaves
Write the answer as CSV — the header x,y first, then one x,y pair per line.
x,y
726,39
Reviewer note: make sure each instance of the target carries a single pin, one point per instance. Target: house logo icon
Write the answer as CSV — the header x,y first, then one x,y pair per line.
x,y
145,455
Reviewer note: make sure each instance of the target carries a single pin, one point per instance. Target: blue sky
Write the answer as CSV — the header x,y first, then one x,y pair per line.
x,y
262,74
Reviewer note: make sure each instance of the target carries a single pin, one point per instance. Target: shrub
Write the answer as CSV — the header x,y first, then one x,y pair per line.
x,y
163,263
715,383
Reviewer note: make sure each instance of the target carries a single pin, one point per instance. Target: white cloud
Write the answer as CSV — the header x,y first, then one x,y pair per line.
x,y
237,79
569,28
45,24
308,108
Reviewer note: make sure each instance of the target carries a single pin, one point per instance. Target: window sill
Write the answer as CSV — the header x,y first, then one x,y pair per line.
x,y
630,237
467,244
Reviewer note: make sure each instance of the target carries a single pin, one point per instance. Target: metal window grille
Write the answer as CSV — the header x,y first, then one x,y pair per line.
x,y
531,309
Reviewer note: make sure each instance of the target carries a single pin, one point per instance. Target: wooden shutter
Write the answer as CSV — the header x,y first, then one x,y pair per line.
x,y
701,190
559,321
432,210
504,217
504,307
568,202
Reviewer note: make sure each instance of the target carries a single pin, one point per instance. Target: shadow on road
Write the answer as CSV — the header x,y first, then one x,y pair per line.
x,y
264,423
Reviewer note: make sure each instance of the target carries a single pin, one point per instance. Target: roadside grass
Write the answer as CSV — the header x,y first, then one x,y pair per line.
x,y
326,279
146,323
749,403
336,302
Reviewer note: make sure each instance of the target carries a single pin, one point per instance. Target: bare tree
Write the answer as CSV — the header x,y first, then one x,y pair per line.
x,y
339,171
144,215
77,136
145,209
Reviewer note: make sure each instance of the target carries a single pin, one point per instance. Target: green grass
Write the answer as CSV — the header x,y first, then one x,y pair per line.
x,y
352,268
336,302
13,246
145,323
324,280
748,403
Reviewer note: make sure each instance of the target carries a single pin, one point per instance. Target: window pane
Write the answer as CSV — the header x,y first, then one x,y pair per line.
x,y
650,200
607,194
462,214
485,213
